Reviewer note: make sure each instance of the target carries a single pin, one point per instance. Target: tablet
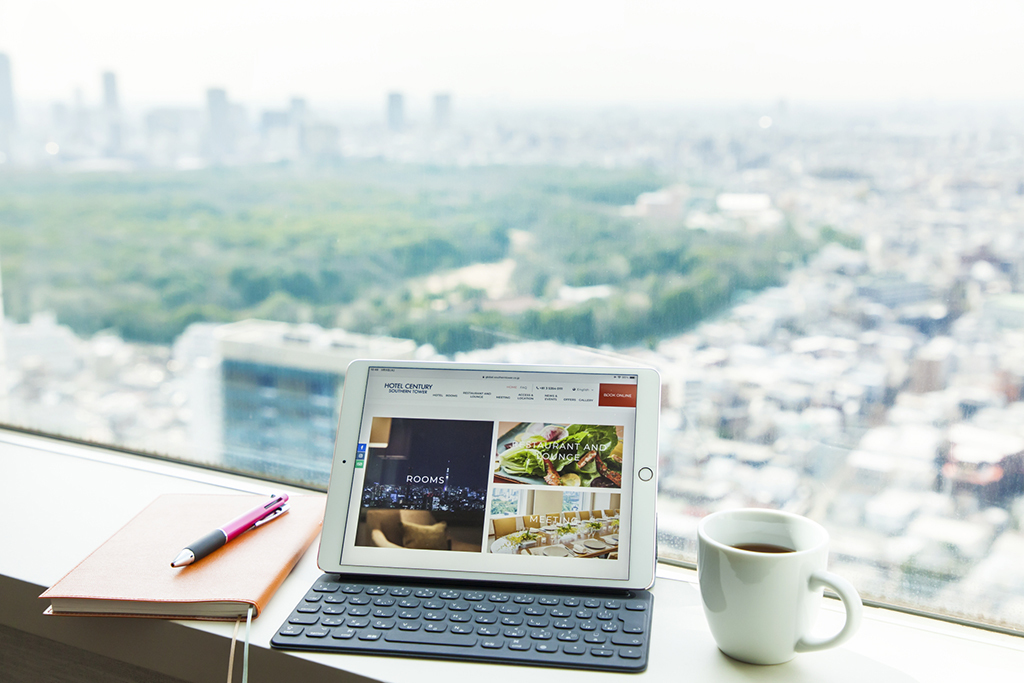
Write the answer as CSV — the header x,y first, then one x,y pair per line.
x,y
521,474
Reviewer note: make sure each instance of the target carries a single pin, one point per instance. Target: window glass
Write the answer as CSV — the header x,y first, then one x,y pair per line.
x,y
809,218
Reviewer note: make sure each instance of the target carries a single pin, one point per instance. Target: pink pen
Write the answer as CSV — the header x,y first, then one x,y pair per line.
x,y
259,515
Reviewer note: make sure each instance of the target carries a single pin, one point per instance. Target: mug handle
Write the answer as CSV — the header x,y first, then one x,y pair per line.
x,y
851,601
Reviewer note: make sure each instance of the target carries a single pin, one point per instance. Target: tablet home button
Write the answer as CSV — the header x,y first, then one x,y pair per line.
x,y
646,473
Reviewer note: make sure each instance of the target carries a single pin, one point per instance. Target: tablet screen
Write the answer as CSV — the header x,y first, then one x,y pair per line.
x,y
493,472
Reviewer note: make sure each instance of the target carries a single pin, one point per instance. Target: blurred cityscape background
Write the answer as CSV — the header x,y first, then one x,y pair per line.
x,y
833,294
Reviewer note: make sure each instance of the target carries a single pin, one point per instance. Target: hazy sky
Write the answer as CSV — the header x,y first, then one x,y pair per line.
x,y
529,52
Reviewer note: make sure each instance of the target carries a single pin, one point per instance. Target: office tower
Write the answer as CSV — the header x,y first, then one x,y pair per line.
x,y
6,94
282,393
442,110
111,114
298,111
220,140
396,111
6,107
110,98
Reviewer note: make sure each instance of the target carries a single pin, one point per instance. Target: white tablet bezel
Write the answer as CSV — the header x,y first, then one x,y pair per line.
x,y
643,532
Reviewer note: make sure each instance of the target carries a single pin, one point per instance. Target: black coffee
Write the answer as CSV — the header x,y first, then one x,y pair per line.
x,y
763,548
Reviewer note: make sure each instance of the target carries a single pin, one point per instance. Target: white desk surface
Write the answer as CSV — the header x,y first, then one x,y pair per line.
x,y
63,501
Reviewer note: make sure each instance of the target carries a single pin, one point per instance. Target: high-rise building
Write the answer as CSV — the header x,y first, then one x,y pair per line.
x,y
110,98
111,114
6,93
396,111
220,142
6,107
442,110
282,393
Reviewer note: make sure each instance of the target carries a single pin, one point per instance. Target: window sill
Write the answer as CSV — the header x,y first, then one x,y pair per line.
x,y
68,499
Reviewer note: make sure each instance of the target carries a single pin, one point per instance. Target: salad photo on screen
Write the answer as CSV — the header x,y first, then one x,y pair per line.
x,y
551,454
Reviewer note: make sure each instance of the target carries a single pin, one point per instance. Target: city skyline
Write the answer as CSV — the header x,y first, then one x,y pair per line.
x,y
569,53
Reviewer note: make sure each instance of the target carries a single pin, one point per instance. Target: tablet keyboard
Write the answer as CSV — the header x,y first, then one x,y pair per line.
x,y
511,625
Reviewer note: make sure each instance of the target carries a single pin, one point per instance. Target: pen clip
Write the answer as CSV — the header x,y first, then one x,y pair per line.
x,y
271,517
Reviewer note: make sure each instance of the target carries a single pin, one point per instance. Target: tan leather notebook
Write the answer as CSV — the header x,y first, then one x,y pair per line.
x,y
131,573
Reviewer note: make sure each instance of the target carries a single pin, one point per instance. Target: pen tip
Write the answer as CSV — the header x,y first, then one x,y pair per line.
x,y
184,557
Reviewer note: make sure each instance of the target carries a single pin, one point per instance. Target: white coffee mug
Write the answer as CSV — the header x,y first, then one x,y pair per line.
x,y
761,602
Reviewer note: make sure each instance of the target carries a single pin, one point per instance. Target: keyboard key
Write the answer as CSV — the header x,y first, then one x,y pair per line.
x,y
357,623
565,623
483,607
430,638
291,630
510,609
548,600
601,652
499,597
592,603
584,614
342,633
571,602
351,589
538,622
488,630
587,625
627,640
314,597
519,645
376,590
359,600
318,632
512,620
609,627
434,616
536,611
633,627
605,615
460,617
568,636
409,603
409,614
546,647
541,634
369,635
425,593
409,625
384,612
561,612
336,599
631,653
304,619
450,595
436,627
401,592
636,605
332,621
461,628
325,587
358,611
574,649
338,609
458,606
612,604
433,604
384,602
492,643
486,619
309,609
523,599
383,624
596,637
475,596
515,633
